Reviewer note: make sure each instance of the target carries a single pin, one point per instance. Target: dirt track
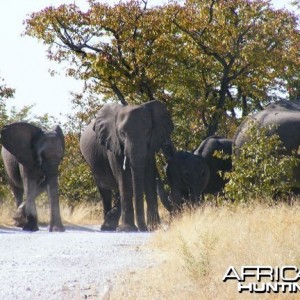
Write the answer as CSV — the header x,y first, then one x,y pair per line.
x,y
80,263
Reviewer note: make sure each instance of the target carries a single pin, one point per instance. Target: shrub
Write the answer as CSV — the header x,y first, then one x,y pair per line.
x,y
76,181
261,167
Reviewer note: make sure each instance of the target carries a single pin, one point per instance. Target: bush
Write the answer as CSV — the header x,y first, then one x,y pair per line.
x,y
76,181
261,167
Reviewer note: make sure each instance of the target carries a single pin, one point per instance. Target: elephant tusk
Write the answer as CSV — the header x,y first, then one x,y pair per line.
x,y
124,163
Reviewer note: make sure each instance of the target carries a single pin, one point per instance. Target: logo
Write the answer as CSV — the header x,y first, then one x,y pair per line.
x,y
264,279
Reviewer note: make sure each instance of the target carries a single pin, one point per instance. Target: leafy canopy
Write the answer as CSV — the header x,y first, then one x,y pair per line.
x,y
206,59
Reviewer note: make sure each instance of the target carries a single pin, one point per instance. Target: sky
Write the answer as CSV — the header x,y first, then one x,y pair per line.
x,y
25,67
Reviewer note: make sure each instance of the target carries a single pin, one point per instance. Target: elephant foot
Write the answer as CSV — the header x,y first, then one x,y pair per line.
x,y
108,227
143,227
31,224
111,220
153,221
57,228
126,228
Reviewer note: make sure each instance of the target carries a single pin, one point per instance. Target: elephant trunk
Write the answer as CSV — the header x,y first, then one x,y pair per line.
x,y
52,190
138,179
163,195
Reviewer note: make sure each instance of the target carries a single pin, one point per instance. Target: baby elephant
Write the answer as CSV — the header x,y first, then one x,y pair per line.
x,y
187,176
31,158
217,165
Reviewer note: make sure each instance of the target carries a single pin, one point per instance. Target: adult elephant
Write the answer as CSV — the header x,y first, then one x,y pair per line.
x,y
120,147
282,118
217,165
31,158
187,176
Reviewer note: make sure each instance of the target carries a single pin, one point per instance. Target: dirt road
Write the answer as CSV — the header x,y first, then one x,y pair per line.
x,y
80,263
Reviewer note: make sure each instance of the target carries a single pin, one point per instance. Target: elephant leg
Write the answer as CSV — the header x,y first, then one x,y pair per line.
x,y
111,215
18,194
153,219
126,195
176,198
106,196
20,216
138,185
30,190
55,218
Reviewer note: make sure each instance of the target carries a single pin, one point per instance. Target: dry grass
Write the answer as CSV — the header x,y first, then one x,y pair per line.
x,y
6,212
199,247
88,214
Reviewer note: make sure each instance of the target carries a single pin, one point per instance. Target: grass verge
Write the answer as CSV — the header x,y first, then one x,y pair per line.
x,y
199,247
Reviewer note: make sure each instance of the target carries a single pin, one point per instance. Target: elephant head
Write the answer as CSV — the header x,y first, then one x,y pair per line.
x,y
187,176
217,165
133,134
33,147
38,154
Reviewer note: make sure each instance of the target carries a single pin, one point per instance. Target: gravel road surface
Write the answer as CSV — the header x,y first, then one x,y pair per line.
x,y
80,263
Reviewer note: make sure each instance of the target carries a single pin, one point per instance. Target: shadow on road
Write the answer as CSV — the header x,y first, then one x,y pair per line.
x,y
70,227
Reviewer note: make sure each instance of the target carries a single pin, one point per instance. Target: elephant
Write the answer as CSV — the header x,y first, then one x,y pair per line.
x,y
216,165
187,176
97,158
31,159
119,146
281,117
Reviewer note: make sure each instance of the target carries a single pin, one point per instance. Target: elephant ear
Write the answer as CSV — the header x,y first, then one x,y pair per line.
x,y
57,129
18,139
162,124
105,127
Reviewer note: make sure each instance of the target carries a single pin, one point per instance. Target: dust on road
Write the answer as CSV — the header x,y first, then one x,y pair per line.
x,y
81,263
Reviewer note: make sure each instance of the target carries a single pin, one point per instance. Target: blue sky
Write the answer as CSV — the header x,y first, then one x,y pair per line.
x,y
23,62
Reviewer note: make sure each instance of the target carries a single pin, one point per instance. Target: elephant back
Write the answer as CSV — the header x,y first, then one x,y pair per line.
x,y
282,118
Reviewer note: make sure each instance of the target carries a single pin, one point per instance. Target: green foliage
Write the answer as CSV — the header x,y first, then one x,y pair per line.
x,y
198,264
203,58
261,167
5,93
76,181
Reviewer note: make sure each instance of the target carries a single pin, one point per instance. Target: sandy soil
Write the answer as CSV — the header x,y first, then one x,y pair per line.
x,y
80,263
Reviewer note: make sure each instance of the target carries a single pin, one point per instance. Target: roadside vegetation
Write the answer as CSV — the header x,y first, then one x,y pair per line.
x,y
199,246
212,63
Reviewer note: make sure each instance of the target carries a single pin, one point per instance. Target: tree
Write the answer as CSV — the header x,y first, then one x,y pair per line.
x,y
237,53
5,93
76,181
117,49
206,59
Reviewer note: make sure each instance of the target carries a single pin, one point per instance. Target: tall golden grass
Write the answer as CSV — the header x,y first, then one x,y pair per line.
x,y
198,248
